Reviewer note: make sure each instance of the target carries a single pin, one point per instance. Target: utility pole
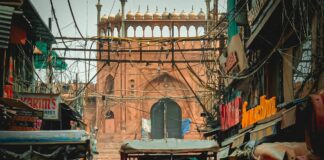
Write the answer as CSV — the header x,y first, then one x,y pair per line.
x,y
2,66
98,34
77,91
172,42
123,70
49,61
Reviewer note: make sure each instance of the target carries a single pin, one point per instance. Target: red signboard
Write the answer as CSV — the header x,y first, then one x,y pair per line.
x,y
230,113
231,61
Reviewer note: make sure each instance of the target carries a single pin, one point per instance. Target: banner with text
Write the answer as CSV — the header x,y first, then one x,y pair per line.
x,y
48,103
230,113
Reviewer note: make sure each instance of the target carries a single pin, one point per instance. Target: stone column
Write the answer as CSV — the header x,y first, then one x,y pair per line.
x,y
208,14
143,28
123,31
179,31
152,28
196,28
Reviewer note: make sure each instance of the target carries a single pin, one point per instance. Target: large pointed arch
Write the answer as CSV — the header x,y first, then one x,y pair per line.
x,y
166,119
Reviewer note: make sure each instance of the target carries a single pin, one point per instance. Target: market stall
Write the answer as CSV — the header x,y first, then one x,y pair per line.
x,y
168,149
62,144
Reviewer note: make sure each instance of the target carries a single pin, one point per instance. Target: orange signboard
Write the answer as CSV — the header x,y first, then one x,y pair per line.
x,y
266,109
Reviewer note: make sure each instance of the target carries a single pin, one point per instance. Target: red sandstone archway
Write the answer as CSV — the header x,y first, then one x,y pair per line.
x,y
166,119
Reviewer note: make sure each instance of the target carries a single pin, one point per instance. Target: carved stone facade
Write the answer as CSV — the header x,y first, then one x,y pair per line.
x,y
131,89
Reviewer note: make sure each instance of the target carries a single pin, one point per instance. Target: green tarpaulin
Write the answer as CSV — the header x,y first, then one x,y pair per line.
x,y
232,25
41,61
168,146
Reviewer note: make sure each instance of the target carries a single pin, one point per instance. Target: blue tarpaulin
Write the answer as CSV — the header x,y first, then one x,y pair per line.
x,y
185,126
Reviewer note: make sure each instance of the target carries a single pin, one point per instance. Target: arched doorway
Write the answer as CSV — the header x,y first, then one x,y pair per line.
x,y
109,122
166,119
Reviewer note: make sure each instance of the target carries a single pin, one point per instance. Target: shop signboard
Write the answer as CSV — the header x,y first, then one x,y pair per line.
x,y
236,60
48,103
255,9
230,113
231,61
266,109
26,120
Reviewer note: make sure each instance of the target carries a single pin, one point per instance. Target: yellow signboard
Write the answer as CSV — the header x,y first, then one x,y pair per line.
x,y
266,109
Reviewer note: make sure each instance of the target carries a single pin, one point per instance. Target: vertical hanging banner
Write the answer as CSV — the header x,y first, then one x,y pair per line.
x,y
48,103
230,113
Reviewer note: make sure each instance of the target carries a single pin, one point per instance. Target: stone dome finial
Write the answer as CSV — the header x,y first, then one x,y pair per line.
x,y
104,18
148,15
183,15
111,18
165,14
118,16
130,15
175,15
192,14
157,15
201,15
139,15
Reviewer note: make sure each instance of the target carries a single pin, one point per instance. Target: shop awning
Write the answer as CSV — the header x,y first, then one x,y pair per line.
x,y
6,13
15,103
74,115
263,130
11,2
212,132
39,28
290,150
169,146
43,137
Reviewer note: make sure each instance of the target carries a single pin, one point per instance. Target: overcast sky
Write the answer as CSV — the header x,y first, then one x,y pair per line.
x,y
85,13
